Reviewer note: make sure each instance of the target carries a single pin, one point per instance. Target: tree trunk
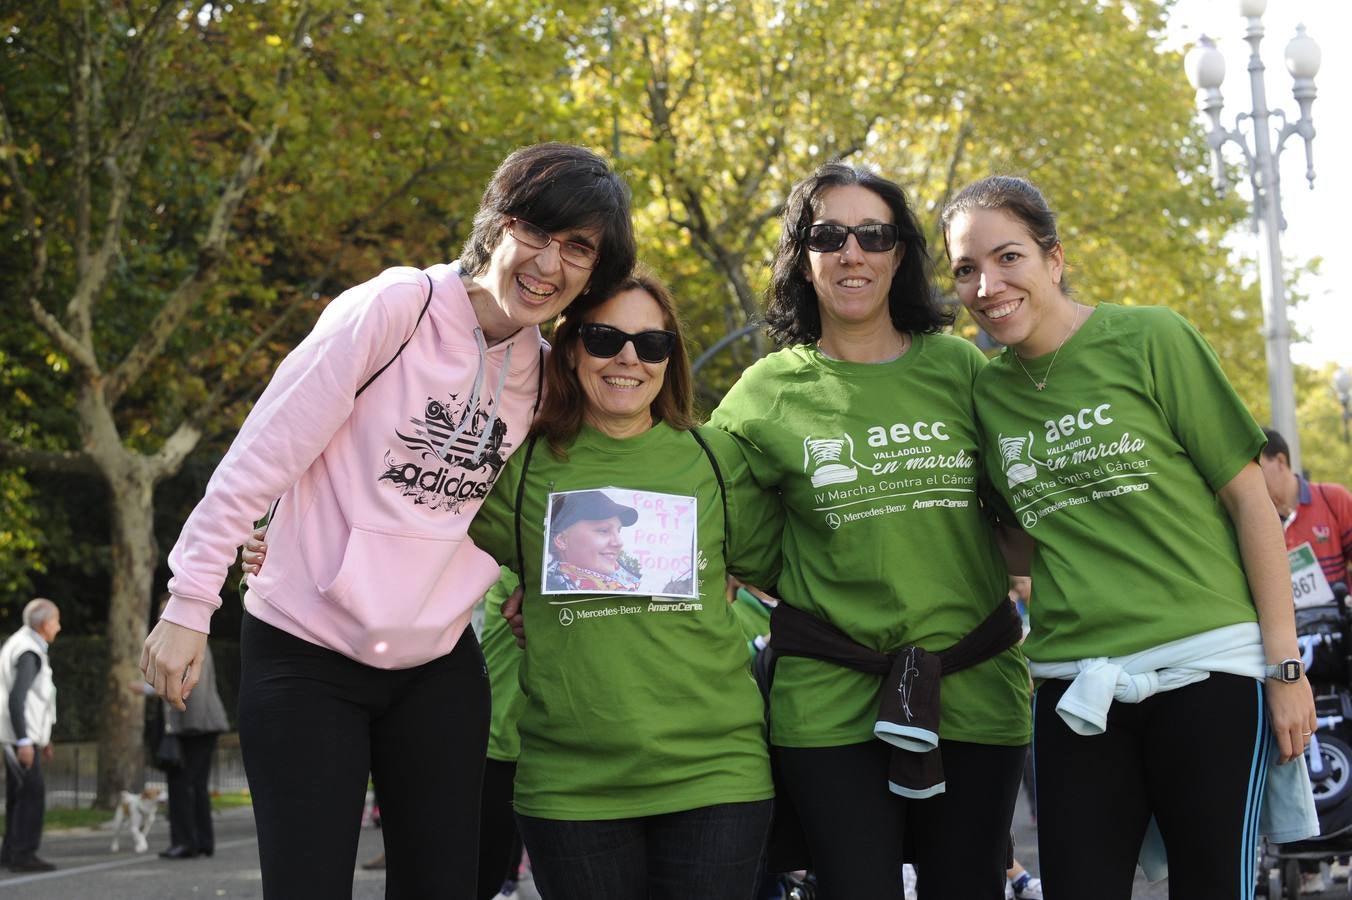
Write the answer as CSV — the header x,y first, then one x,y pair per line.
x,y
131,478
121,755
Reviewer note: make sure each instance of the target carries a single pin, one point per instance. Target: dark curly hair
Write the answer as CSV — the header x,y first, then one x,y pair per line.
x,y
793,315
556,187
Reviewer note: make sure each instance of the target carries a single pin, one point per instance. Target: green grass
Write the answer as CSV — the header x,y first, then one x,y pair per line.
x,y
230,801
92,818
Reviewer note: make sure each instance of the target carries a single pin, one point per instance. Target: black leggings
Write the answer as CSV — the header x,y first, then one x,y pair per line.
x,y
313,723
855,827
499,843
1193,758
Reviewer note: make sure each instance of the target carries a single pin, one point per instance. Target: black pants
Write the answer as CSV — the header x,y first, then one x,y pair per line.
x,y
190,795
1188,757
499,843
711,852
314,723
25,799
856,829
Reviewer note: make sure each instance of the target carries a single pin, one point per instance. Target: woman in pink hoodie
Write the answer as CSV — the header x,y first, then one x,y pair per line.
x,y
381,433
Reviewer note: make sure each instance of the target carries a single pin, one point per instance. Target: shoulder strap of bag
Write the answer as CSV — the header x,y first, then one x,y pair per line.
x,y
516,513
272,511
722,487
381,370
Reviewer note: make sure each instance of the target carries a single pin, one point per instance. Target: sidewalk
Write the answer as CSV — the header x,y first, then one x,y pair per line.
x,y
87,870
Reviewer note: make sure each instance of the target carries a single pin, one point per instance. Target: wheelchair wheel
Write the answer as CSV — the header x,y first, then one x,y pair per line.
x,y
1334,786
1291,880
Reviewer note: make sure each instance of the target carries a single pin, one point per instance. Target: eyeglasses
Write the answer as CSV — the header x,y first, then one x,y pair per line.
x,y
828,237
604,342
533,236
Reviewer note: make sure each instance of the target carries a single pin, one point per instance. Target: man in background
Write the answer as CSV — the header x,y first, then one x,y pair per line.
x,y
1319,514
26,732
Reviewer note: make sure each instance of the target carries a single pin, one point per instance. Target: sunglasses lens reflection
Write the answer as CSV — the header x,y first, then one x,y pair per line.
x,y
827,238
603,342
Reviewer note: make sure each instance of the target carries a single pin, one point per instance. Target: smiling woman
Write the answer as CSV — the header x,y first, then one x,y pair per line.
x,y
863,425
1129,461
641,733
381,433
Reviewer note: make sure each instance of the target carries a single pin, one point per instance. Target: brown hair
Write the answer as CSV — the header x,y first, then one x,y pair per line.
x,y
561,414
1017,196
555,187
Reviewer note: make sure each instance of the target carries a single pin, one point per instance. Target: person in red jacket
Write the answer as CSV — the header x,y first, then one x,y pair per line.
x,y
1312,512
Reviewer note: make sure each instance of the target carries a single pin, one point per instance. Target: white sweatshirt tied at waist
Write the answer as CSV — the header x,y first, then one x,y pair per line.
x,y
1288,812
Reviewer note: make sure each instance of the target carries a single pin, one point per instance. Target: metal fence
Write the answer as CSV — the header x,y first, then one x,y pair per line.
x,y
72,774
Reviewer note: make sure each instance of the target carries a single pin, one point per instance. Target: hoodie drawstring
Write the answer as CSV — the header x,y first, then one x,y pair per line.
x,y
473,404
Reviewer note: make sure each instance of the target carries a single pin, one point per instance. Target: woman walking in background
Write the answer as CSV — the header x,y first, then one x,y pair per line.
x,y
196,729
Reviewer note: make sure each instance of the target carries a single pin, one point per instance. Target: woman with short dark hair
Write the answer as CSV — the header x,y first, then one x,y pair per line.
x,y
382,432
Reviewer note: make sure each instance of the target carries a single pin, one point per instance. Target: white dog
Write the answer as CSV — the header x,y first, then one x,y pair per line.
x,y
138,811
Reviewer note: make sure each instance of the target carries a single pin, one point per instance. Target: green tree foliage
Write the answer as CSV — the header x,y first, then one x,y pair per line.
x,y
1325,444
184,185
717,108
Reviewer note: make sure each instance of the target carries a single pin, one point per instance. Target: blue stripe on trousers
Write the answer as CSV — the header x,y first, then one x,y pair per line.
x,y
1254,803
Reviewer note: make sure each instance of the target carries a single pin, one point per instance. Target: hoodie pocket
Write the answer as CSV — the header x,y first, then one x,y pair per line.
x,y
397,590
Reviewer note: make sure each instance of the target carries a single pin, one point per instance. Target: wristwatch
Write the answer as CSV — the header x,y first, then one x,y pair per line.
x,y
1288,670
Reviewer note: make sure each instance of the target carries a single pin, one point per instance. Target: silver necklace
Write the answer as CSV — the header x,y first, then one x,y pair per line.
x,y
1042,385
905,345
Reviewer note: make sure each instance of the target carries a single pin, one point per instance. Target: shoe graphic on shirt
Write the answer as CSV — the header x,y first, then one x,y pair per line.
x,y
822,459
1012,451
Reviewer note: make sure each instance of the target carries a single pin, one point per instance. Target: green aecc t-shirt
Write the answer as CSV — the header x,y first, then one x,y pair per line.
x,y
1113,469
878,465
638,705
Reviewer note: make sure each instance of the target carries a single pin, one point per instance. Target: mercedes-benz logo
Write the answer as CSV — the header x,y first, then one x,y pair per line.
x,y
833,521
565,616
1029,519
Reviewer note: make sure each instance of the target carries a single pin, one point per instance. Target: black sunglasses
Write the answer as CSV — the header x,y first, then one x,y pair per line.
x,y
827,237
604,342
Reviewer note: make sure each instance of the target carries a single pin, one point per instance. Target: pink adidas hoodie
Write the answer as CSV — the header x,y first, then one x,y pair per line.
x,y
367,551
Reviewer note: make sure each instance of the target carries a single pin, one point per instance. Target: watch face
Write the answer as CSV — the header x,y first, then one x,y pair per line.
x,y
1290,670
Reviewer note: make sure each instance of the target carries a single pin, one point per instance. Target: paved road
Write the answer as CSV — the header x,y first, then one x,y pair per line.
x,y
1025,836
89,871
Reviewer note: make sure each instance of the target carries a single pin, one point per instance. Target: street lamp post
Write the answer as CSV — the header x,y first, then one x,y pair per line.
x,y
1206,71
1342,386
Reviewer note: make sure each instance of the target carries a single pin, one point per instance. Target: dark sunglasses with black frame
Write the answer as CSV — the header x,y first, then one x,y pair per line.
x,y
605,342
828,237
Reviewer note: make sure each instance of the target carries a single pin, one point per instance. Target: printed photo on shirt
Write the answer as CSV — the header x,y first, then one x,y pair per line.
x,y
616,541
